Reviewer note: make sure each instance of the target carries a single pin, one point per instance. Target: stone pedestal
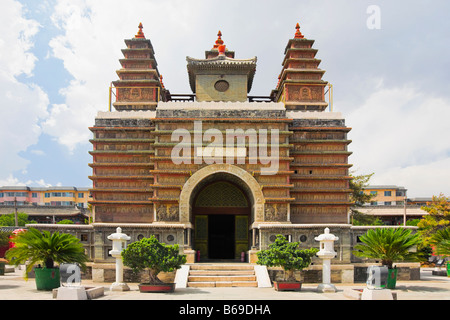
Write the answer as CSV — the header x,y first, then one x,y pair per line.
x,y
119,286
326,287
71,293
381,294
190,255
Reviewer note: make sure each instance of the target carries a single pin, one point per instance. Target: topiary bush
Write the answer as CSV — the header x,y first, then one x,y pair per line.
x,y
287,255
155,257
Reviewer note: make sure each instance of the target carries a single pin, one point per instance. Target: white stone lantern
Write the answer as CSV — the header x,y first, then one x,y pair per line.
x,y
119,240
326,253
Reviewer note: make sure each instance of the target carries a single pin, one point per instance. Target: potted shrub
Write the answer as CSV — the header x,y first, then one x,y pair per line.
x,y
155,257
388,245
290,257
43,247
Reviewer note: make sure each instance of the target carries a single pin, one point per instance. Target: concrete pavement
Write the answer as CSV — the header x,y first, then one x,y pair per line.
x,y
14,287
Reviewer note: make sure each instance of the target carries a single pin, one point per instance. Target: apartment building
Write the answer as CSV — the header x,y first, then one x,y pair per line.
x,y
46,205
388,204
51,196
386,195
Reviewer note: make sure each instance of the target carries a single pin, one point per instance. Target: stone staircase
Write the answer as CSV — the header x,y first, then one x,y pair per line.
x,y
222,275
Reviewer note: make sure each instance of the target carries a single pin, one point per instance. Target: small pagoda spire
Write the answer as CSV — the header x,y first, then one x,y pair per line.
x,y
298,34
219,40
140,34
161,81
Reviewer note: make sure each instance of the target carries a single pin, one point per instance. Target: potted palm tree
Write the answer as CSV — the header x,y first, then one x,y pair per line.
x,y
441,243
290,257
388,245
155,257
35,247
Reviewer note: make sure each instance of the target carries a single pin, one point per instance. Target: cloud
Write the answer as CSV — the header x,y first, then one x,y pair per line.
x,y
10,181
37,152
23,105
17,33
400,133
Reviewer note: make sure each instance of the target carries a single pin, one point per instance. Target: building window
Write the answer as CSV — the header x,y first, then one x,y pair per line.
x,y
373,203
221,85
10,194
387,203
1,194
399,194
47,194
34,195
388,193
80,195
373,193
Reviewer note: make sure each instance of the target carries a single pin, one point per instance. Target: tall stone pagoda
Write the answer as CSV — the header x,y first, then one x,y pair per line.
x,y
162,163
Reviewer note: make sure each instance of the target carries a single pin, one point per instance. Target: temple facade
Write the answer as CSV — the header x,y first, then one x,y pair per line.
x,y
218,171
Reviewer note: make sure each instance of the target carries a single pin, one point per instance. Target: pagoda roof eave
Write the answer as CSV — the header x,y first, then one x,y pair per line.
x,y
292,70
305,82
129,42
221,60
137,59
221,63
137,71
288,46
287,59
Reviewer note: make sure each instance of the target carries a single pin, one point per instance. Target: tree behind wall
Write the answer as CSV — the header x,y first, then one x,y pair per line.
x,y
438,217
8,220
357,184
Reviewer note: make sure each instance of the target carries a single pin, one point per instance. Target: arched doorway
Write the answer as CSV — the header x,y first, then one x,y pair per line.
x,y
221,211
240,178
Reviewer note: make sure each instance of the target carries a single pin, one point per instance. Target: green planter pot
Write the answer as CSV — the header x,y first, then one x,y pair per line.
x,y
47,279
392,278
2,268
448,269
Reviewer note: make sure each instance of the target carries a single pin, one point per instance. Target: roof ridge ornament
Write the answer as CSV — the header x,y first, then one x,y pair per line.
x,y
298,34
140,34
219,41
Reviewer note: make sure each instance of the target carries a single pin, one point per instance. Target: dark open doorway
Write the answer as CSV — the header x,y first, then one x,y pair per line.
x,y
221,236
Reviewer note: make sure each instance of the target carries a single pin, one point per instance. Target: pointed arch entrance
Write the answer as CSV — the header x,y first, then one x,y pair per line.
x,y
221,202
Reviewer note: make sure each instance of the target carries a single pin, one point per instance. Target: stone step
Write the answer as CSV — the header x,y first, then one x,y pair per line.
x,y
221,272
220,278
222,275
221,267
223,284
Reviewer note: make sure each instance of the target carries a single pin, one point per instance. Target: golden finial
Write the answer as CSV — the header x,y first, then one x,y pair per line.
x,y
140,34
298,34
219,40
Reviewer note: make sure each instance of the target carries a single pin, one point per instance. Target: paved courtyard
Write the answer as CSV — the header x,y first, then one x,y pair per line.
x,y
14,287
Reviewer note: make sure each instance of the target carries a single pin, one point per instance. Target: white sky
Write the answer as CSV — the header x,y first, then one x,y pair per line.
x,y
58,57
